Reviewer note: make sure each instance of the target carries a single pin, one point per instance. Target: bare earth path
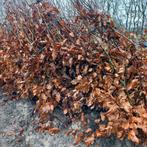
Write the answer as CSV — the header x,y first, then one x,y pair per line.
x,y
17,129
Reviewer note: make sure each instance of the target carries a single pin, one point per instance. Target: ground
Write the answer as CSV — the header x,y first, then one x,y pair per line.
x,y
18,123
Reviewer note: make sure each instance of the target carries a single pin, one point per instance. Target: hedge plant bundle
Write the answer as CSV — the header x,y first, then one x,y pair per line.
x,y
77,63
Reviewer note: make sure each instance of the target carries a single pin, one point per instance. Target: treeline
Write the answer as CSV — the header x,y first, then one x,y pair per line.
x,y
129,14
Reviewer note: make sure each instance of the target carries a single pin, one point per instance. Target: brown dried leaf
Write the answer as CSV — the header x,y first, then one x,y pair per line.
x,y
43,96
71,34
58,97
53,130
79,138
54,54
47,107
133,84
98,133
132,136
83,86
89,140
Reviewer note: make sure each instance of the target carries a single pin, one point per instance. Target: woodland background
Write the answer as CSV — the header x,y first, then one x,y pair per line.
x,y
128,14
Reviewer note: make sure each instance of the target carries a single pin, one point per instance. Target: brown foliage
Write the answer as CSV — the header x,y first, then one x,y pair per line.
x,y
84,61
